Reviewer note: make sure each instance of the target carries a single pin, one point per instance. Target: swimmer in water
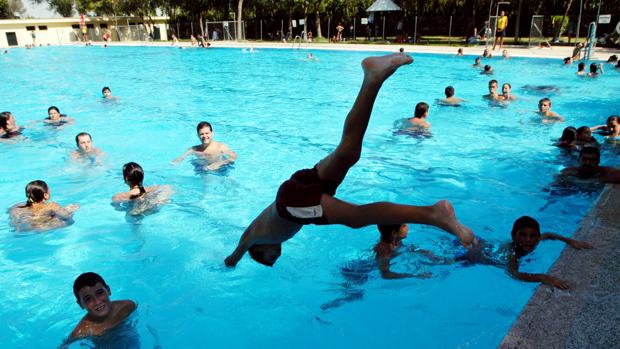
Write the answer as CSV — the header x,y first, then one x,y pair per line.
x,y
8,126
589,167
450,99
216,154
459,52
142,199
418,121
93,294
492,95
596,70
568,61
486,54
85,149
488,70
581,69
55,118
544,110
505,54
611,128
568,140
526,236
507,93
477,62
584,137
37,213
308,196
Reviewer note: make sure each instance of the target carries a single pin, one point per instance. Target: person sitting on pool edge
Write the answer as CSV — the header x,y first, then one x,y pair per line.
x,y
216,154
85,149
611,128
418,121
492,95
8,126
525,236
307,197
55,118
544,110
37,213
589,167
450,99
93,294
141,199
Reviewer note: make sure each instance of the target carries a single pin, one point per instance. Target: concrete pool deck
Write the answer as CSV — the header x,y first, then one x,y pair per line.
x,y
588,315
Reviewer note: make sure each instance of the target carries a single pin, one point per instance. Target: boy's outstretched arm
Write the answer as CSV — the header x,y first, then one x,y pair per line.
x,y
243,246
513,269
576,244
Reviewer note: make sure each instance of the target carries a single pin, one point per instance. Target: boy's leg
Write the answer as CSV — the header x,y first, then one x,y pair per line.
x,y
440,215
335,166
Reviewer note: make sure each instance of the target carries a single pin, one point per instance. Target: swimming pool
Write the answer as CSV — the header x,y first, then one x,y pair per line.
x,y
279,113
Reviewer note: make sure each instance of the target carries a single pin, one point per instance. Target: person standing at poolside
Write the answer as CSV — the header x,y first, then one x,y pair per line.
x,y
544,109
339,29
308,196
216,154
502,23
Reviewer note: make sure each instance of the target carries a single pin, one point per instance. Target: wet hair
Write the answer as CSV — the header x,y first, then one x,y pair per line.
x,y
53,108
567,59
612,59
589,150
487,68
105,88
77,140
509,86
420,109
477,59
492,81
35,192
569,135
88,279
134,175
593,68
581,66
387,230
4,120
524,222
259,255
449,91
582,129
612,118
202,125
545,100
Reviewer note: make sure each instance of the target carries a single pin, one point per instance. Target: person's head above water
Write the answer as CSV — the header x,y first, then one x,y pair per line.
x,y
7,121
393,233
492,86
107,93
506,89
53,113
569,135
421,110
205,132
525,234
477,60
488,68
593,68
584,133
613,122
133,174
568,60
449,91
589,159
266,254
36,192
93,294
544,105
84,142
581,66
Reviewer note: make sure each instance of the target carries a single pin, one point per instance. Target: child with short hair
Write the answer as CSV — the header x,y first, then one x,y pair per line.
x,y
93,294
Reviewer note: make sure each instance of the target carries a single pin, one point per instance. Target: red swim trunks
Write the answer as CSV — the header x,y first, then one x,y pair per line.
x,y
299,198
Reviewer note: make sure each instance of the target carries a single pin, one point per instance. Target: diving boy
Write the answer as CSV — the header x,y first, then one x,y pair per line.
x,y
93,294
308,196
216,154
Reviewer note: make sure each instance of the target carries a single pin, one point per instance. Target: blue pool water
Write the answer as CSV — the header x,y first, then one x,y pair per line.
x,y
279,113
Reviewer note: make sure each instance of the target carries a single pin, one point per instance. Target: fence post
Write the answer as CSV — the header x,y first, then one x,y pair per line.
x,y
261,30
415,29
450,32
281,30
329,25
207,29
191,24
579,20
354,37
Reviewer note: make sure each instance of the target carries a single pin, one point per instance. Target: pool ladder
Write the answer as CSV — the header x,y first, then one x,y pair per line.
x,y
591,41
298,43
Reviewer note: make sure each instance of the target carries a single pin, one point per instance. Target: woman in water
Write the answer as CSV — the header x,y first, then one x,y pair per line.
x,y
54,118
139,198
8,128
568,139
611,128
37,213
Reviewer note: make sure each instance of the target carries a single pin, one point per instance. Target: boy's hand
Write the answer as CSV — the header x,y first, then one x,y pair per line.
x,y
230,261
580,245
555,282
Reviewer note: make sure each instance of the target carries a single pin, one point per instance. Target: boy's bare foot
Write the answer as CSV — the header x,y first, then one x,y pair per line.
x,y
446,220
378,69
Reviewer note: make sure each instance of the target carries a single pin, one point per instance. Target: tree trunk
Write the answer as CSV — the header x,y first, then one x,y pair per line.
x,y
317,22
517,36
202,28
570,2
239,17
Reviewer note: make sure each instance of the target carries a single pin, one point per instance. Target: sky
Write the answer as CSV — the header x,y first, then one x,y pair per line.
x,y
38,11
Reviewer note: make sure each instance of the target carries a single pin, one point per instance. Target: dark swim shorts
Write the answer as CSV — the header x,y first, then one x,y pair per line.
x,y
299,198
500,33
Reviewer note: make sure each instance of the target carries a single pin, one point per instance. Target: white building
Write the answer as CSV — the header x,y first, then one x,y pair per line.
x,y
61,31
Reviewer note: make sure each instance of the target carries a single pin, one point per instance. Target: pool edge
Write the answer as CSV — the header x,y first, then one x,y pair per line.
x,y
586,316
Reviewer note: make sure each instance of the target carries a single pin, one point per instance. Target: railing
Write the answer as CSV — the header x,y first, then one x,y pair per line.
x,y
591,41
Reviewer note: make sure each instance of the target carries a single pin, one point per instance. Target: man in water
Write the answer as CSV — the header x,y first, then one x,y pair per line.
x,y
450,99
589,168
216,154
308,196
418,121
544,109
492,95
85,149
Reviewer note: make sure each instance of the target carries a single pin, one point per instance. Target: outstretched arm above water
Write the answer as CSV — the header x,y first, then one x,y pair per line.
x,y
513,269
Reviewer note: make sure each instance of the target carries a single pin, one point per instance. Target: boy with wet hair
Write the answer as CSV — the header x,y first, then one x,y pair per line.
x,y
215,154
493,95
544,110
589,160
450,99
85,149
308,197
107,93
418,121
93,294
